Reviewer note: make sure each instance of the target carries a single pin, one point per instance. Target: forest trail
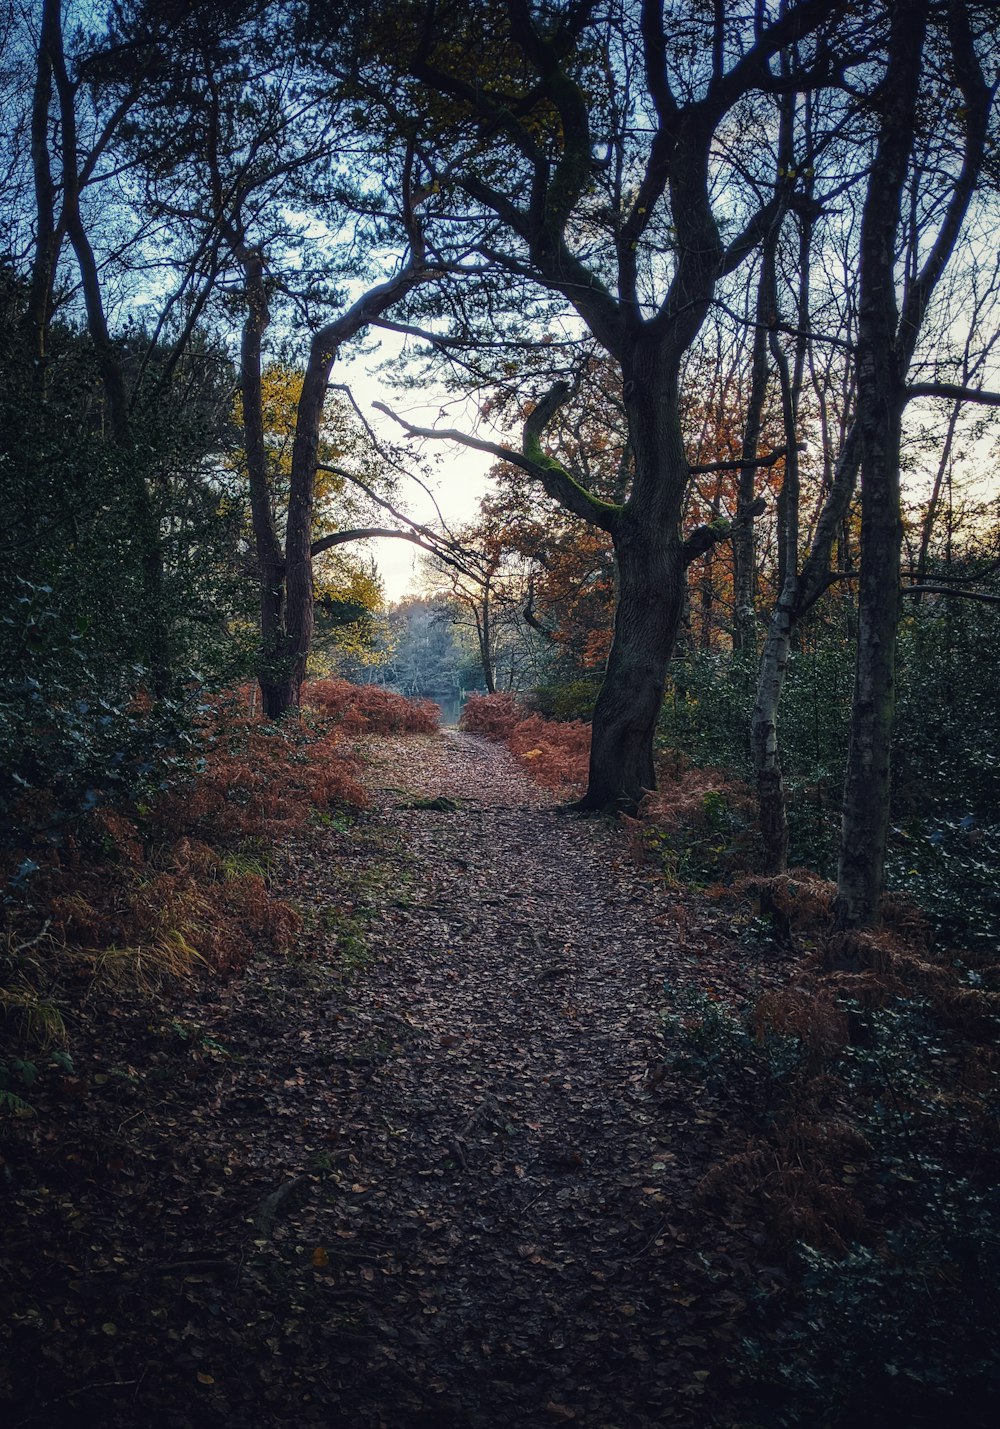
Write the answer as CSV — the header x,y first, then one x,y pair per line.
x,y
429,1172
526,1193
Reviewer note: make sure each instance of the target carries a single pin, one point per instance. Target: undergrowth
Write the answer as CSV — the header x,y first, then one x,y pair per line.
x,y
370,709
171,883
865,1149
554,752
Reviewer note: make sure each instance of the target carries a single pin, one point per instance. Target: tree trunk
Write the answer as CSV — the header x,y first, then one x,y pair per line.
x,y
744,544
46,240
147,526
881,399
764,745
272,665
865,823
299,603
299,599
485,634
649,564
650,582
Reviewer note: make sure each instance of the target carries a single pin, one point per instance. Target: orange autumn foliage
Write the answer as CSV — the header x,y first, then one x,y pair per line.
x,y
555,753
370,709
144,893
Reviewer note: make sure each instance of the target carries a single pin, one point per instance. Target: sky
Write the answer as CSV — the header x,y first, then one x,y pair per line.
x,y
458,475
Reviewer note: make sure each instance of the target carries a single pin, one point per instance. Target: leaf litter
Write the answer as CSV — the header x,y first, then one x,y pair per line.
x,y
426,1172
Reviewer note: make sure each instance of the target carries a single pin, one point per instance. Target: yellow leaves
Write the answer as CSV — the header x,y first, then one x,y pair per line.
x,y
343,581
204,1378
280,389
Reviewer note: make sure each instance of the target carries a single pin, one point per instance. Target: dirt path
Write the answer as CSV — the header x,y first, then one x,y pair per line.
x,y
531,1188
426,1174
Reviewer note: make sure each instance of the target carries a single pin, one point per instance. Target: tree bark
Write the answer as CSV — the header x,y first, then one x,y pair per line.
x,y
272,668
650,564
650,598
881,369
744,545
46,241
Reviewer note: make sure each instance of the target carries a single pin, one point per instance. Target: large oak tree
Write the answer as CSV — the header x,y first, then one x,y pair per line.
x,y
584,154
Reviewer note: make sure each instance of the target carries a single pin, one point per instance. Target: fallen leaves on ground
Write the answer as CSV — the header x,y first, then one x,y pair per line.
x,y
425,1171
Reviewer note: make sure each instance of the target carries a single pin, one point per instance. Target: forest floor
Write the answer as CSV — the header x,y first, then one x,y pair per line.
x,y
429,1170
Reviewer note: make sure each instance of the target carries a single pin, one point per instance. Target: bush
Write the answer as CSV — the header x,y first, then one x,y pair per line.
x,y
495,716
697,825
945,842
370,709
575,699
555,753
898,1326
75,744
157,888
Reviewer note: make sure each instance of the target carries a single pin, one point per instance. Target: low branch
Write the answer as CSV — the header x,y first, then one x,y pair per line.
x,y
979,595
553,477
924,588
953,392
740,464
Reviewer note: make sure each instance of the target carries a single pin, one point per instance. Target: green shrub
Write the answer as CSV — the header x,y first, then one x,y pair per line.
x,y
574,699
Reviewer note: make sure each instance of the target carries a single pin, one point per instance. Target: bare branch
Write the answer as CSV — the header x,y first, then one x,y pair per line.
x,y
739,464
953,392
556,481
425,531
366,533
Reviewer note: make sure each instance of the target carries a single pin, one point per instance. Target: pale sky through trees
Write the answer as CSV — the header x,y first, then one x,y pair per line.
x,y
458,474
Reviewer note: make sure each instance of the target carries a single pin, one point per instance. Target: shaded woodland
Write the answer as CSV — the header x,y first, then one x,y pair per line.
x,y
716,288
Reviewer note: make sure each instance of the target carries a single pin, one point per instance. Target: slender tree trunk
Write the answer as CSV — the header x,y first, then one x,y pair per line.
x,y
299,600
299,604
865,823
744,544
487,640
764,746
881,399
930,515
147,526
272,670
793,592
46,241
